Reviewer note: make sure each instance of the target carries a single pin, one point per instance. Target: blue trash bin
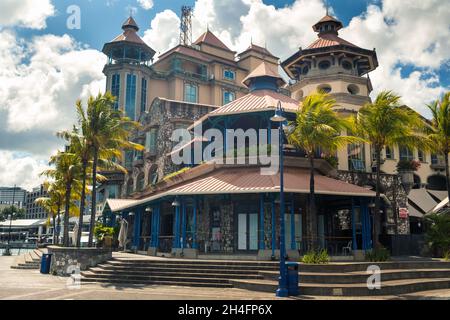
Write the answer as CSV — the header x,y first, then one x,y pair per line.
x,y
292,278
45,263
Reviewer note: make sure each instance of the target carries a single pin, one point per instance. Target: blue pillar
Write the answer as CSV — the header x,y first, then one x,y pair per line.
x,y
137,228
273,227
293,243
176,233
354,243
194,222
157,227
153,229
184,225
261,222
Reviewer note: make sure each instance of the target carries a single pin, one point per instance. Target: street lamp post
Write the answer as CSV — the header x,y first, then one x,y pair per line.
x,y
282,290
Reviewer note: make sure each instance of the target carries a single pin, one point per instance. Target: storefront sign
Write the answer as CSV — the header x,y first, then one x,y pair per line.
x,y
403,213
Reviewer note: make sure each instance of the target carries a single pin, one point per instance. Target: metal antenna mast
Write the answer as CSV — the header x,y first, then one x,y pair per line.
x,y
186,26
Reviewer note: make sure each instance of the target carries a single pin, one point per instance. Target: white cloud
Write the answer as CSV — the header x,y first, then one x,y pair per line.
x,y
146,4
164,31
41,80
21,170
26,13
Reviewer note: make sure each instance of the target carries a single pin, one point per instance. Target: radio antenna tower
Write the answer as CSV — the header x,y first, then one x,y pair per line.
x,y
186,26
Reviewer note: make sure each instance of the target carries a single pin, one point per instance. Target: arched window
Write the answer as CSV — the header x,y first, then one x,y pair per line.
x,y
153,175
347,65
140,182
130,186
437,182
353,89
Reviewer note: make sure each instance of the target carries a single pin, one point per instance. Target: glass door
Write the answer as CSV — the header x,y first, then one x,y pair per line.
x,y
253,231
242,231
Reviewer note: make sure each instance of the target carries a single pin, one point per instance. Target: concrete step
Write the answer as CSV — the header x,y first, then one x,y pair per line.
x,y
131,282
362,266
395,287
201,269
181,273
361,277
191,265
197,262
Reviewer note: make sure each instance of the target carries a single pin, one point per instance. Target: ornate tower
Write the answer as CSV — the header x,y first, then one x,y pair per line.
x,y
333,65
127,70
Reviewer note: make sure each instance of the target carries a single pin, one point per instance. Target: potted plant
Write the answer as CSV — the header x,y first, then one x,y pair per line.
x,y
406,169
104,235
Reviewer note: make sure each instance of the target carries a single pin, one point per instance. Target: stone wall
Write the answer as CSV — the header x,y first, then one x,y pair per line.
x,y
65,261
391,187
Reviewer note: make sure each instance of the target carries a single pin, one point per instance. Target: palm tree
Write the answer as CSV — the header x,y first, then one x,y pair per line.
x,y
318,127
385,122
53,204
439,135
108,132
67,171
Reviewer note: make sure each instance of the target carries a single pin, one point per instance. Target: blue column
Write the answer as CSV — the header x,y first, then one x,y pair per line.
x,y
194,222
354,243
273,227
184,225
137,228
261,222
293,243
157,227
176,233
153,228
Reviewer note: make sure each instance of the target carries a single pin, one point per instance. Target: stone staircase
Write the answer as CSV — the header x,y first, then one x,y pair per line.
x,y
336,279
194,273
350,279
29,260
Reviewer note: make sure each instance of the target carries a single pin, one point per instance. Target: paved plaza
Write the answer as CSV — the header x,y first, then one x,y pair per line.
x,y
31,285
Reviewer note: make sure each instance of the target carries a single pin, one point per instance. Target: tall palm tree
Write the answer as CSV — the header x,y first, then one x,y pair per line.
x,y
439,135
67,171
385,122
318,127
107,131
53,204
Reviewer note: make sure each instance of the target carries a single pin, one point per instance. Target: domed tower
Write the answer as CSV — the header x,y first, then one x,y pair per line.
x,y
333,65
127,70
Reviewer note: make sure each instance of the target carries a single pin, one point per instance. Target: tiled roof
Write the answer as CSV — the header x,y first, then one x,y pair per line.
x,y
258,100
264,70
254,47
130,23
195,54
329,40
129,35
209,38
117,204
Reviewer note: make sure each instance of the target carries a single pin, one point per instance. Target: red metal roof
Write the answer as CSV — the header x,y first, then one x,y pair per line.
x,y
188,51
256,48
258,100
210,38
264,70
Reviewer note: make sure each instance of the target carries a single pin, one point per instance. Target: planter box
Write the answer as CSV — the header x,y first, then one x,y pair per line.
x,y
66,261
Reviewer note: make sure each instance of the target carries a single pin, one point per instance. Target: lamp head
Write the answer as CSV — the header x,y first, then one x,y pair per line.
x,y
278,116
176,203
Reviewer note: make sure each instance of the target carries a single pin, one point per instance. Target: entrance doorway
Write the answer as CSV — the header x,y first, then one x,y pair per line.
x,y
247,231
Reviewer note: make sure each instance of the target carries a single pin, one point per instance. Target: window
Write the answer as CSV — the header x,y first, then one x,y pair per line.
x,y
406,154
228,96
229,74
130,186
356,160
346,65
128,159
389,153
421,156
324,88
305,70
353,89
115,89
150,140
130,103
113,192
153,175
434,159
323,65
140,182
190,93
143,95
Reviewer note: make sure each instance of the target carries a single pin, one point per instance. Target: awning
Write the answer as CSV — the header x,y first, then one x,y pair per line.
x,y
23,223
413,212
422,199
440,205
245,180
441,195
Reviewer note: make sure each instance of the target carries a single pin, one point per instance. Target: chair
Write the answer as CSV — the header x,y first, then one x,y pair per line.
x,y
347,250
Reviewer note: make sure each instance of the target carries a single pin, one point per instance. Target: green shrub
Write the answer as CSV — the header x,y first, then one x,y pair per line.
x,y
316,257
101,232
378,255
446,255
438,233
